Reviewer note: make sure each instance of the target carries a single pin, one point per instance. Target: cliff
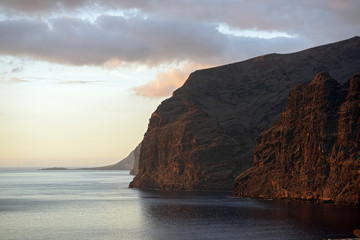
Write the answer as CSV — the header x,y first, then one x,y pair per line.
x,y
202,137
313,151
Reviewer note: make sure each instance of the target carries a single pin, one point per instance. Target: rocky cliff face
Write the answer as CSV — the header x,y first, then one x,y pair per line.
x,y
313,151
202,137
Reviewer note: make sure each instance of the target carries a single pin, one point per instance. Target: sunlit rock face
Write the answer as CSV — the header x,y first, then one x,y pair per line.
x,y
203,136
313,150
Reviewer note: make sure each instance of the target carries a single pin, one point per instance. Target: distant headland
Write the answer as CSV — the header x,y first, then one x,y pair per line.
x,y
55,168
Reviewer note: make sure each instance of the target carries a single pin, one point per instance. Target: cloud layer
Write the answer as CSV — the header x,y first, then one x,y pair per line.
x,y
111,33
150,41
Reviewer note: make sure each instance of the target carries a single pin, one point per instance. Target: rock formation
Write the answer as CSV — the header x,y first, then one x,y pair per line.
x,y
202,137
313,150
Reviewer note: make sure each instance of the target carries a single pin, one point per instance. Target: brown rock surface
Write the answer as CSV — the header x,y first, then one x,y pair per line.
x,y
202,137
313,151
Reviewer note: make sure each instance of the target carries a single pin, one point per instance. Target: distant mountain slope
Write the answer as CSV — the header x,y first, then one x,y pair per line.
x,y
136,152
313,151
203,136
125,164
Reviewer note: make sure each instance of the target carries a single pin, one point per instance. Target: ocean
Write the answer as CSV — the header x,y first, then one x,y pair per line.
x,y
99,205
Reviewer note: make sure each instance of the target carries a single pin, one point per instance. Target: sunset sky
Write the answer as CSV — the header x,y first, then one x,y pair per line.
x,y
80,79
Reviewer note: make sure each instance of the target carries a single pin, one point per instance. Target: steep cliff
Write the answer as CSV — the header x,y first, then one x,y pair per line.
x,y
202,137
313,151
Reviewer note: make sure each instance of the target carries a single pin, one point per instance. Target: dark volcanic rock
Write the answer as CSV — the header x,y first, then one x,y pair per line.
x,y
202,137
313,151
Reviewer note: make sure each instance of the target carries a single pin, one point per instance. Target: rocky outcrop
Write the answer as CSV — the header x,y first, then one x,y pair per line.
x,y
313,151
202,137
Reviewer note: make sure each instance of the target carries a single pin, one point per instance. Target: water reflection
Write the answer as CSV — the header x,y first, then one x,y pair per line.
x,y
99,205
323,217
213,215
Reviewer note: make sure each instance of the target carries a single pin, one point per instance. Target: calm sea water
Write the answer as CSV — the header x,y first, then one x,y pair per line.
x,y
99,205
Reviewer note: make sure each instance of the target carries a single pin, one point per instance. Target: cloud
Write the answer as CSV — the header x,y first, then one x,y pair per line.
x,y
115,40
17,69
78,82
169,31
78,42
280,15
38,6
17,80
166,82
113,33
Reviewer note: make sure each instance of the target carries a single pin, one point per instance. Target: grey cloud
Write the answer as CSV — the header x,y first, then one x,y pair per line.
x,y
17,69
38,6
292,16
77,42
321,20
168,31
240,48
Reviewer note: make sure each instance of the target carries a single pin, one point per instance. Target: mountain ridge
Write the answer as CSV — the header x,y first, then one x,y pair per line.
x,y
202,137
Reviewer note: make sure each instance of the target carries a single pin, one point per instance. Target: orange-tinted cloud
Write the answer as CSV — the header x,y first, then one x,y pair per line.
x,y
166,82
17,80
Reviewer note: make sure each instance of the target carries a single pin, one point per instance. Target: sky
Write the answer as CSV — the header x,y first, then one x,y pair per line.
x,y
79,79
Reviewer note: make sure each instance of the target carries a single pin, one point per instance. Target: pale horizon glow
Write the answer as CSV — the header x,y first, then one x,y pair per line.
x,y
77,117
79,80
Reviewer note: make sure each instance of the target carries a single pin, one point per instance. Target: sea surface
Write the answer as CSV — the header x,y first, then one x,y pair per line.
x,y
99,205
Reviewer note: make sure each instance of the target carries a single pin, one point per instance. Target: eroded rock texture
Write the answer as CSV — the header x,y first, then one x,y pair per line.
x,y
313,151
202,137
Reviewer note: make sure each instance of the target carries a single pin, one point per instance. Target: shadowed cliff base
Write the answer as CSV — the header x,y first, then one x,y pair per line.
x,y
202,137
313,151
